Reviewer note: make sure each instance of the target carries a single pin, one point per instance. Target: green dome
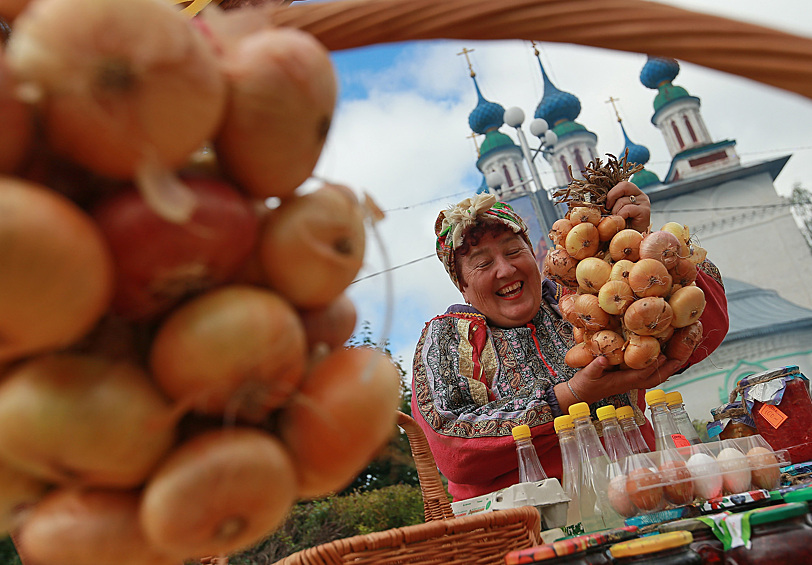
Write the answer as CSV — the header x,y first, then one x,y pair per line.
x,y
568,127
644,178
667,93
495,140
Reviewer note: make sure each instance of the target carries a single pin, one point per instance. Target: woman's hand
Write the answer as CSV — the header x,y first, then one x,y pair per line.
x,y
631,203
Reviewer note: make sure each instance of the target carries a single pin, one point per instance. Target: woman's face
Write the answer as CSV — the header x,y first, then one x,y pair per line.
x,y
501,279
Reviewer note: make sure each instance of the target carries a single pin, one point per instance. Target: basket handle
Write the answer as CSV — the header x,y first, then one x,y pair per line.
x,y
759,53
435,499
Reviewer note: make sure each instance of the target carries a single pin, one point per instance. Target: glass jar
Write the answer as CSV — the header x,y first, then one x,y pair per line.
x,y
705,542
588,549
781,407
731,421
777,535
673,548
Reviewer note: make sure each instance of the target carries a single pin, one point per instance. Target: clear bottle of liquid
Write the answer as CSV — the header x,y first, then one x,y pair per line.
x,y
666,433
571,472
625,415
593,483
681,417
616,444
530,469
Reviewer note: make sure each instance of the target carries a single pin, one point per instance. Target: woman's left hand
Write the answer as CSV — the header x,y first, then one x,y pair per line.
x,y
631,203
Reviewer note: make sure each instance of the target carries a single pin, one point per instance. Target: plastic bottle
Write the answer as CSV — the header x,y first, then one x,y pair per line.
x,y
625,415
530,469
666,433
593,483
616,444
571,471
681,417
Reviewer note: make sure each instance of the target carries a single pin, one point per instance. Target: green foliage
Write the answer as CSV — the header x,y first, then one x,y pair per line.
x,y
320,521
8,555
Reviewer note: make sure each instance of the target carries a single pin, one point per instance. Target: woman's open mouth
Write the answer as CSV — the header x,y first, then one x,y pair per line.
x,y
512,290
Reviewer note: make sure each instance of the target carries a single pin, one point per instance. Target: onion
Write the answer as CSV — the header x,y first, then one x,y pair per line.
x,y
560,267
610,226
585,214
283,93
205,251
607,343
578,334
649,277
648,316
559,230
19,491
620,271
578,356
683,272
684,341
123,85
17,131
56,278
626,245
615,296
566,304
664,335
582,241
312,246
331,325
661,245
592,273
641,351
76,419
220,491
680,231
87,527
237,349
688,303
343,414
588,313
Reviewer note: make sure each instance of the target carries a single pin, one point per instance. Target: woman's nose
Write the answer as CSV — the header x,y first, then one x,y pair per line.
x,y
504,267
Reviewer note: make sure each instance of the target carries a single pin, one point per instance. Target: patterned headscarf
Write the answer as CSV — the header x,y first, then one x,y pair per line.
x,y
452,224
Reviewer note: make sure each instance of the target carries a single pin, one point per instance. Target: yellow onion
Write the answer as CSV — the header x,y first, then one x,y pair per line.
x,y
615,296
661,245
620,270
683,272
560,266
592,273
607,343
585,214
588,313
582,241
641,351
684,341
649,277
688,303
648,316
610,226
578,356
626,245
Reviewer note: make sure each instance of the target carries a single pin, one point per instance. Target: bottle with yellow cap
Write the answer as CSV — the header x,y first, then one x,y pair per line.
x,y
570,470
617,447
530,469
666,433
593,482
681,418
625,415
673,548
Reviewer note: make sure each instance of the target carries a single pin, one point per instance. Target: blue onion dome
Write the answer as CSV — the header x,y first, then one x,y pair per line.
x,y
644,178
555,105
487,115
658,70
638,154
495,140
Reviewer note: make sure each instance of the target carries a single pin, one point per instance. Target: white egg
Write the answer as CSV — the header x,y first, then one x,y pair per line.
x,y
707,475
735,470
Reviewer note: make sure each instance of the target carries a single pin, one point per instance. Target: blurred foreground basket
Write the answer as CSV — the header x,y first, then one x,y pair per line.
x,y
442,539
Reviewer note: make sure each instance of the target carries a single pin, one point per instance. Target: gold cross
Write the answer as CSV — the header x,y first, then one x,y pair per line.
x,y
465,52
612,101
476,145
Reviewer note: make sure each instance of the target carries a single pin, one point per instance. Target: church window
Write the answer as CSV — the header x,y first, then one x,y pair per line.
x,y
690,129
566,169
579,160
677,135
508,180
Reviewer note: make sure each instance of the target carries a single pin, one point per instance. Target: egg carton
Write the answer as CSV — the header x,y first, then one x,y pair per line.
x,y
652,482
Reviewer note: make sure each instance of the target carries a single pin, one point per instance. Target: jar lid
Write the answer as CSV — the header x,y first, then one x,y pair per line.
x,y
655,396
777,513
651,544
605,412
521,431
563,423
689,525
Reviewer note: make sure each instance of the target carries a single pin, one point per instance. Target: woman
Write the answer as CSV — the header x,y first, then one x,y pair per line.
x,y
482,368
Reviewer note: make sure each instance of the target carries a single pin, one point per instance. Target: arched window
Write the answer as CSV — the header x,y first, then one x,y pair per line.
x,y
566,168
579,160
508,180
690,129
677,135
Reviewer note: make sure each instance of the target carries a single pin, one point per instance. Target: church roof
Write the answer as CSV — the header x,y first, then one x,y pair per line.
x,y
756,312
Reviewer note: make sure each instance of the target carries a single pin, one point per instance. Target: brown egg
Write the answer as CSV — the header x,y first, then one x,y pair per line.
x,y
644,489
764,465
619,498
678,487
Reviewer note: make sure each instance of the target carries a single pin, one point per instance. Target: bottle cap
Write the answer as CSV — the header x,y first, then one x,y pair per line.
x,y
655,396
579,410
624,412
605,412
564,423
651,544
521,432
673,398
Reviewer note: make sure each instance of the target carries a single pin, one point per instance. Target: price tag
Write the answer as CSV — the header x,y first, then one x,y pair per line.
x,y
773,415
680,440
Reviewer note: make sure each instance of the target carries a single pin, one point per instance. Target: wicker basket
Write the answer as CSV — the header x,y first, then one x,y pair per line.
x,y
442,539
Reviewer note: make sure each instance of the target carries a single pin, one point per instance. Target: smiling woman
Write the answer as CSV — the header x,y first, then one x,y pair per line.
x,y
499,361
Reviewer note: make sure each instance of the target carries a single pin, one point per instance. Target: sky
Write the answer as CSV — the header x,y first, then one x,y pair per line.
x,y
400,134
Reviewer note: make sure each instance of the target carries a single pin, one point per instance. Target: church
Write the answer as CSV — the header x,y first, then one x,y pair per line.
x,y
731,208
